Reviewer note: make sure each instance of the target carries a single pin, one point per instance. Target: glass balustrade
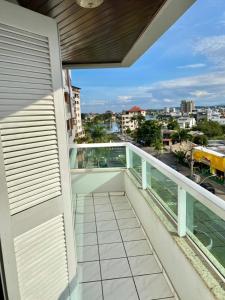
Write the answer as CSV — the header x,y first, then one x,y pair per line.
x,y
135,164
101,157
201,223
163,187
207,230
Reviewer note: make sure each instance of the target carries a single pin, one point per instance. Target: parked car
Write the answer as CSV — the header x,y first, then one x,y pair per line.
x,y
208,187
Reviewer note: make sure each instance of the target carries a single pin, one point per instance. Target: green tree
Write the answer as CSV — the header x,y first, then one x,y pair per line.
x,y
128,131
139,119
210,128
200,140
223,128
149,133
98,134
173,124
158,146
181,136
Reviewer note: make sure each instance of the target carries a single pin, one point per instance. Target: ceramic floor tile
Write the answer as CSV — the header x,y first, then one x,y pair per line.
x,y
82,201
84,196
115,268
105,237
97,195
128,223
107,225
116,193
105,216
124,214
143,265
83,218
135,248
119,199
88,290
152,287
115,250
86,239
119,289
85,227
89,271
103,207
132,234
85,209
87,253
101,201
121,206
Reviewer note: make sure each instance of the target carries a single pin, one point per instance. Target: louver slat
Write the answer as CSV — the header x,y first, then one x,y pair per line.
x,y
42,251
27,119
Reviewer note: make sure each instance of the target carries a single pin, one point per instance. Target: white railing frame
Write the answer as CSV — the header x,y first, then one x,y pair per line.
x,y
185,185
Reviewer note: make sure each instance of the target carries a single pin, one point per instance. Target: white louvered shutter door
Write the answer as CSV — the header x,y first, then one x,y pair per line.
x,y
34,159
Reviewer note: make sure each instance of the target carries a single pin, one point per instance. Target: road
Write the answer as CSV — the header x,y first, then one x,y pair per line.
x,y
169,159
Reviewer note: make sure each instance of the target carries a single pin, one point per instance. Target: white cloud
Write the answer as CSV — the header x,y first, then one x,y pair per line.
x,y
200,94
192,66
125,99
210,79
167,100
213,48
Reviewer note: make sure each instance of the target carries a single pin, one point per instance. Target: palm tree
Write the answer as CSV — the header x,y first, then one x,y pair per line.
x,y
139,119
181,136
98,133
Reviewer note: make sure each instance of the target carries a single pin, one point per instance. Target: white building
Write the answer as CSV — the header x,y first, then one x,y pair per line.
x,y
77,112
69,107
220,120
129,118
186,122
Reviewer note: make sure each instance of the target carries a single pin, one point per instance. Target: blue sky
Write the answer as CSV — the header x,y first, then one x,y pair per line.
x,y
188,61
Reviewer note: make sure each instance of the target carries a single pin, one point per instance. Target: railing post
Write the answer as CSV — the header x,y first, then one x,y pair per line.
x,y
181,212
128,157
144,174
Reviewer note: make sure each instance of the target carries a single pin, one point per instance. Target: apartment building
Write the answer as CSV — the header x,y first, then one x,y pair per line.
x,y
130,118
187,106
77,112
186,122
69,106
132,229
72,108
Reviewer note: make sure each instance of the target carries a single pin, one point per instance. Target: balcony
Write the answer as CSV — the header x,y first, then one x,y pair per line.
x,y
143,230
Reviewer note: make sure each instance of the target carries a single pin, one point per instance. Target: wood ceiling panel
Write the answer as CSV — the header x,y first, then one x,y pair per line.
x,y
100,35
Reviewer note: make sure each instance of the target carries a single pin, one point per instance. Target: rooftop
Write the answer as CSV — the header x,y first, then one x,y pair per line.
x,y
135,109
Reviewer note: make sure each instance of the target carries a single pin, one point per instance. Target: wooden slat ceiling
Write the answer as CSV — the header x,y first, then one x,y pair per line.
x,y
101,35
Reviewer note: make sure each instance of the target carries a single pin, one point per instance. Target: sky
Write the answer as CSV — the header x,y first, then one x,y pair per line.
x,y
186,62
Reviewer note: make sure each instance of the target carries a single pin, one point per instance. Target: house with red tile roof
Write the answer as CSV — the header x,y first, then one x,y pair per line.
x,y
128,118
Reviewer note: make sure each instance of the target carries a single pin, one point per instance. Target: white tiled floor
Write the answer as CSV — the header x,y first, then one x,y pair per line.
x,y
114,257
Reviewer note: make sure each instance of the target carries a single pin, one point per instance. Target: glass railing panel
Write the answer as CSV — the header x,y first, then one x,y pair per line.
x,y
164,188
135,164
207,230
102,157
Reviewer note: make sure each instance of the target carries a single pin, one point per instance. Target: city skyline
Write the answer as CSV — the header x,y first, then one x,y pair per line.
x,y
185,63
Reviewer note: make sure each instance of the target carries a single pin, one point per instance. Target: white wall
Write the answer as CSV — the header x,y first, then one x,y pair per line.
x,y
97,181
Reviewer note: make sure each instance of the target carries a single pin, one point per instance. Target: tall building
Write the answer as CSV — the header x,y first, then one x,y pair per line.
x,y
72,108
69,106
77,111
187,106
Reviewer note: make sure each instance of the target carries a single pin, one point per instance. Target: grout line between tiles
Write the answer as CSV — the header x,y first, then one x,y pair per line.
x,y
125,252
98,252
